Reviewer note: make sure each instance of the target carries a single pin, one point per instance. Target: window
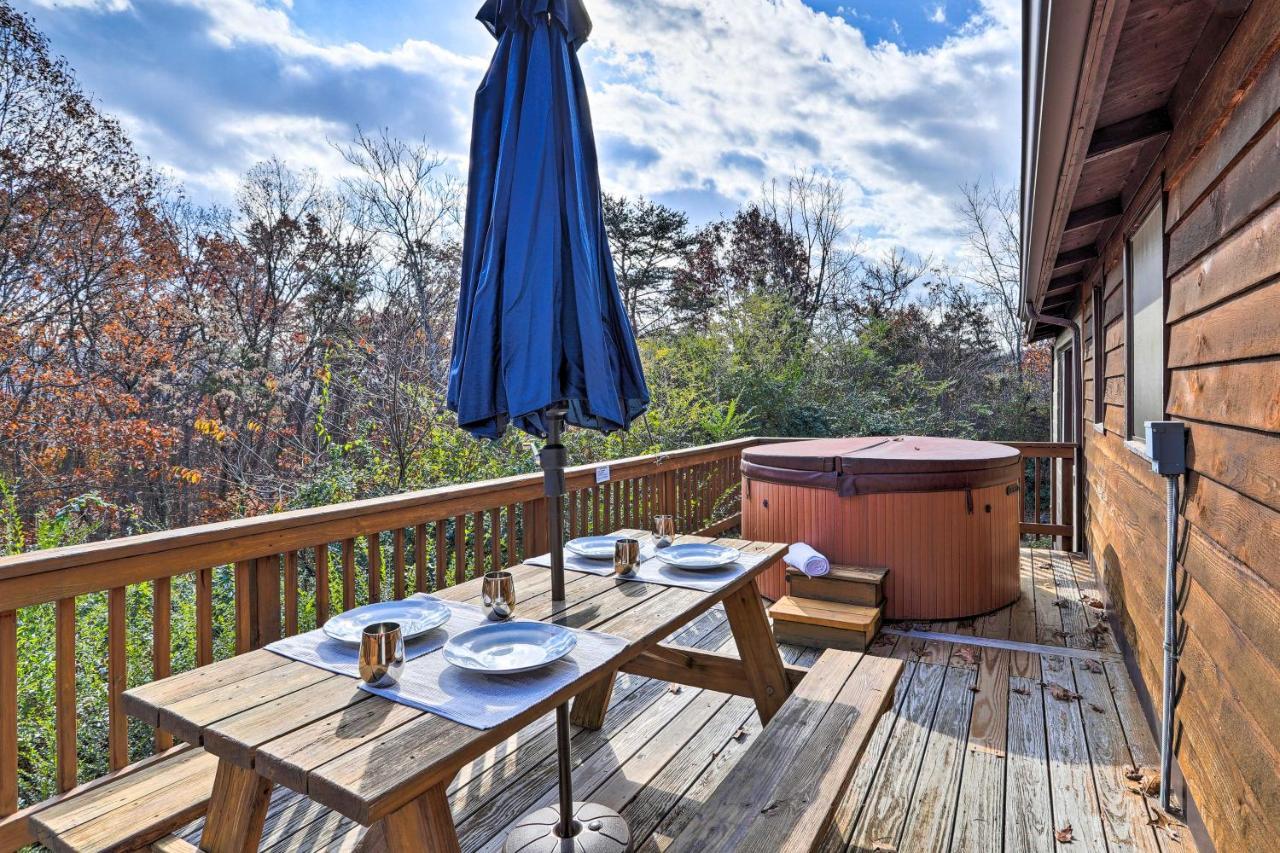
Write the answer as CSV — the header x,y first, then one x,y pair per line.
x,y
1145,305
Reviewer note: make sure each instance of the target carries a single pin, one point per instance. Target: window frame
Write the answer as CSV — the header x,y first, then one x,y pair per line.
x,y
1135,434
1098,301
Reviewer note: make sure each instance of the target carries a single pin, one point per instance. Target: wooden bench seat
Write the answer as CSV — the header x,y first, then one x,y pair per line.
x,y
131,811
782,794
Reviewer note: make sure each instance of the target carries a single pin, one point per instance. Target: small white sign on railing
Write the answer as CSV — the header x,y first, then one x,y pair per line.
x,y
602,474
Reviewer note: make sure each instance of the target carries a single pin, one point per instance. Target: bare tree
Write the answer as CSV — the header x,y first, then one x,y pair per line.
x,y
990,217
410,198
810,207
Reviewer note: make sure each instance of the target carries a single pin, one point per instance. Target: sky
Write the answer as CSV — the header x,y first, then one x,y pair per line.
x,y
696,103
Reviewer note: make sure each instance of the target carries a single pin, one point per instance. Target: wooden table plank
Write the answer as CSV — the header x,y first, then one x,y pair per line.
x,y
370,779
368,757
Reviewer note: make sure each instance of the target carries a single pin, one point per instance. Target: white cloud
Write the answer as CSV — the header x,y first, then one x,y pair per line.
x,y
938,15
90,5
705,98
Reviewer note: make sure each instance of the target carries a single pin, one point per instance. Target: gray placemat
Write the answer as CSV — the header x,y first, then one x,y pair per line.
x,y
575,563
432,684
653,570
319,649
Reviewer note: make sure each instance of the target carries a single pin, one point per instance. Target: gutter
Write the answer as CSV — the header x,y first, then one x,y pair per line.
x,y
1077,486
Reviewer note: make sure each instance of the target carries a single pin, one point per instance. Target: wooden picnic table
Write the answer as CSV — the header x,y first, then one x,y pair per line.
x,y
272,720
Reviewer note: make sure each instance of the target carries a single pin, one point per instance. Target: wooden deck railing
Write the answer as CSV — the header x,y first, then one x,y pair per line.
x,y
290,571
293,570
1047,488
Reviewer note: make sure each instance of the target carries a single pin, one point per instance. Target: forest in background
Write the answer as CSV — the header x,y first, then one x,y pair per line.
x,y
164,363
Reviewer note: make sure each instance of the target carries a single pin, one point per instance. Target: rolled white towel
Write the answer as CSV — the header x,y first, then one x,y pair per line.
x,y
807,560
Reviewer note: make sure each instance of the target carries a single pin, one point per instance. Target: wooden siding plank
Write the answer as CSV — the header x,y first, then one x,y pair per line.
x,y
1240,328
1248,188
1243,260
1244,394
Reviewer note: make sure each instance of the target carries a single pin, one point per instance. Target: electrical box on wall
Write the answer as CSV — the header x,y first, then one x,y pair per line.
x,y
1167,447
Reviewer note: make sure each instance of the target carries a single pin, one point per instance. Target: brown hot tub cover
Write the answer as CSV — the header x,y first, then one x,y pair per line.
x,y
858,466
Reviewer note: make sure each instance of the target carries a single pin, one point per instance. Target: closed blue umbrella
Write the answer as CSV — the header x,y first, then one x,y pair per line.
x,y
540,321
542,338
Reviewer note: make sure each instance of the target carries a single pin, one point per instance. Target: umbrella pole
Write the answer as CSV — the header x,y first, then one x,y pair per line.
x,y
553,460
593,828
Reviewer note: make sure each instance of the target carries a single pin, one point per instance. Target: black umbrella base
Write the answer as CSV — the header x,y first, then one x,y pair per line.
x,y
599,830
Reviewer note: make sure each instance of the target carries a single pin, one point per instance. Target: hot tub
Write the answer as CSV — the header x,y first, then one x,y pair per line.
x,y
941,514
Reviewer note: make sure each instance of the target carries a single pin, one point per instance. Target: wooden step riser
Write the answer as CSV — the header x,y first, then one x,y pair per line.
x,y
831,589
820,636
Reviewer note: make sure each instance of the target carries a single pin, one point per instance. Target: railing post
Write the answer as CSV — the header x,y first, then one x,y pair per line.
x,y
264,601
535,528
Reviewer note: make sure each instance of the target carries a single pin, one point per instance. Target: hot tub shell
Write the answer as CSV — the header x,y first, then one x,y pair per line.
x,y
940,514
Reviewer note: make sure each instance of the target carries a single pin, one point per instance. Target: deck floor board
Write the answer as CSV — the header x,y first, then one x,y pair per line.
x,y
978,754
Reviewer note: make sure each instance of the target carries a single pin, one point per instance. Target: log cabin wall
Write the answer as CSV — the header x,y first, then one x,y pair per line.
x,y
1219,173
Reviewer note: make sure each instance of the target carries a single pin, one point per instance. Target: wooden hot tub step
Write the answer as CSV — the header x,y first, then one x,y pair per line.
x,y
830,624
849,584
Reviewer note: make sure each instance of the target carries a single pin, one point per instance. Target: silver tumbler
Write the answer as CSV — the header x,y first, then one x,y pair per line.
x,y
498,595
381,654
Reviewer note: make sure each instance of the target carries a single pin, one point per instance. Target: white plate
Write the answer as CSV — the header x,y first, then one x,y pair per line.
x,y
592,547
504,648
415,616
698,558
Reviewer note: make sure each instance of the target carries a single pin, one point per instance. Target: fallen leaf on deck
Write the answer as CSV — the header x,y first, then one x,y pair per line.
x,y
1092,665
1021,691
968,654
1097,708
1163,821
1064,835
674,688
974,688
1063,694
1093,602
739,734
1060,602
1151,784
1133,774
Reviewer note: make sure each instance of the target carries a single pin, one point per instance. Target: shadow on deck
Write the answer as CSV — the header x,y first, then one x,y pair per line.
x,y
986,748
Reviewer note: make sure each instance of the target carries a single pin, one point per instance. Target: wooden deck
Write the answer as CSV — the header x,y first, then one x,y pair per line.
x,y
987,749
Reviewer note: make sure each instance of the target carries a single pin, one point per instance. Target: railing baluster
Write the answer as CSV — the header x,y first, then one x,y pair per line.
x,y
204,617
65,692
322,584
495,541
290,593
459,548
348,573
397,563
420,558
512,559
162,642
374,541
573,514
117,664
244,598
1035,500
442,556
8,712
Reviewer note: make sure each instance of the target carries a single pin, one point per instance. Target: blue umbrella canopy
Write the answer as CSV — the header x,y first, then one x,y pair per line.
x,y
540,321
